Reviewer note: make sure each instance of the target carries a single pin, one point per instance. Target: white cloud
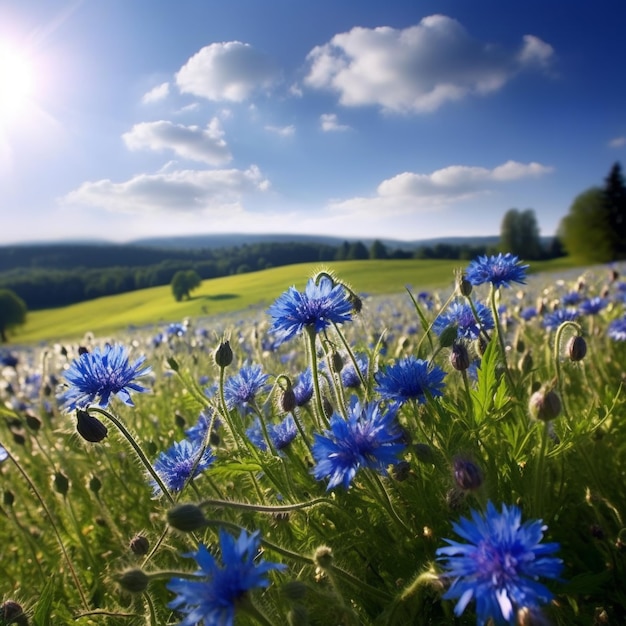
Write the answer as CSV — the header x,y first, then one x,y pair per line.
x,y
409,192
617,142
182,191
160,92
230,71
416,69
329,123
190,142
283,131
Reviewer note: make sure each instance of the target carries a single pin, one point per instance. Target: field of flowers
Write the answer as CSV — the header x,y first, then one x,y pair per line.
x,y
455,457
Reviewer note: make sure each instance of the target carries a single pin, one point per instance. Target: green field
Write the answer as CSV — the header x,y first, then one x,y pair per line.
x,y
237,293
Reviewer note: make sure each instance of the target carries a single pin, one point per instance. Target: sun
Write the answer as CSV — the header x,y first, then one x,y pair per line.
x,y
16,83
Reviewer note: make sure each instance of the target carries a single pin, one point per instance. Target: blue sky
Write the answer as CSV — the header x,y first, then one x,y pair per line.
x,y
122,119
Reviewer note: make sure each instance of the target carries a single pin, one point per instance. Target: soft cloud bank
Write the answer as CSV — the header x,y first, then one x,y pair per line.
x,y
190,142
230,71
417,69
183,191
409,192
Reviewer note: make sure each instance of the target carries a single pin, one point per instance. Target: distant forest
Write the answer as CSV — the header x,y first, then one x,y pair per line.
x,y
53,275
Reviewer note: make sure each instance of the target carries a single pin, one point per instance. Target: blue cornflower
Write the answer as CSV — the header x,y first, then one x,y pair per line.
x,y
320,305
349,376
500,565
241,389
593,306
174,466
4,455
101,374
617,329
197,432
303,389
212,598
500,270
281,434
553,320
370,437
528,313
409,379
461,315
571,298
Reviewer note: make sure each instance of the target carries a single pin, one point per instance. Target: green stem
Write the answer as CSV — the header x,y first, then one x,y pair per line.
x,y
138,451
319,407
500,334
540,482
39,497
557,359
262,508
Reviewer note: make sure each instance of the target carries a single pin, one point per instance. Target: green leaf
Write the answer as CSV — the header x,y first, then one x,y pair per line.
x,y
43,610
483,394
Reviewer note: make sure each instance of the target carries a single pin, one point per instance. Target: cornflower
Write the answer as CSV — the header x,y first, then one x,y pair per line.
x,y
617,329
461,315
303,389
242,388
500,270
175,465
553,320
370,437
212,598
102,374
321,305
592,306
500,564
409,379
281,434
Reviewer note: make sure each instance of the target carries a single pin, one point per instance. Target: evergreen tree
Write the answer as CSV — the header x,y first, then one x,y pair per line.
x,y
12,312
615,203
378,250
358,251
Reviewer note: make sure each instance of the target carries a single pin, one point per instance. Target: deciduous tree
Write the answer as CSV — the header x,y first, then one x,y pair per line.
x,y
12,312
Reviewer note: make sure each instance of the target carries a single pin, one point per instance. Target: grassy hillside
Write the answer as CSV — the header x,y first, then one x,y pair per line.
x,y
236,293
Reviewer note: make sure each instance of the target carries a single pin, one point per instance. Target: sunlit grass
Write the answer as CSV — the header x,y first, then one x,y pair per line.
x,y
237,293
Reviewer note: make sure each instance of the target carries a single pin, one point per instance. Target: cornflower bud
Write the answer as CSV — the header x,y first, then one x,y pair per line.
x,y
577,348
61,483
337,361
544,405
33,422
133,580
89,427
287,400
139,545
465,287
459,357
448,336
467,475
95,484
186,517
8,498
223,354
12,613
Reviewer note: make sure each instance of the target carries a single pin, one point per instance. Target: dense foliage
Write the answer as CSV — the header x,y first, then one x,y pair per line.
x,y
425,458
52,276
12,312
595,227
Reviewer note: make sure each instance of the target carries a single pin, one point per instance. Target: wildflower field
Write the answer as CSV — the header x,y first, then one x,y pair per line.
x,y
452,457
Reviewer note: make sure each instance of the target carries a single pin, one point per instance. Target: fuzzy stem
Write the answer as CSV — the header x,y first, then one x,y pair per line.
x,y
140,453
319,407
39,497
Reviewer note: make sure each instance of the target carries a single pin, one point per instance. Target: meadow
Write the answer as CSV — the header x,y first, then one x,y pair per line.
x,y
437,443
